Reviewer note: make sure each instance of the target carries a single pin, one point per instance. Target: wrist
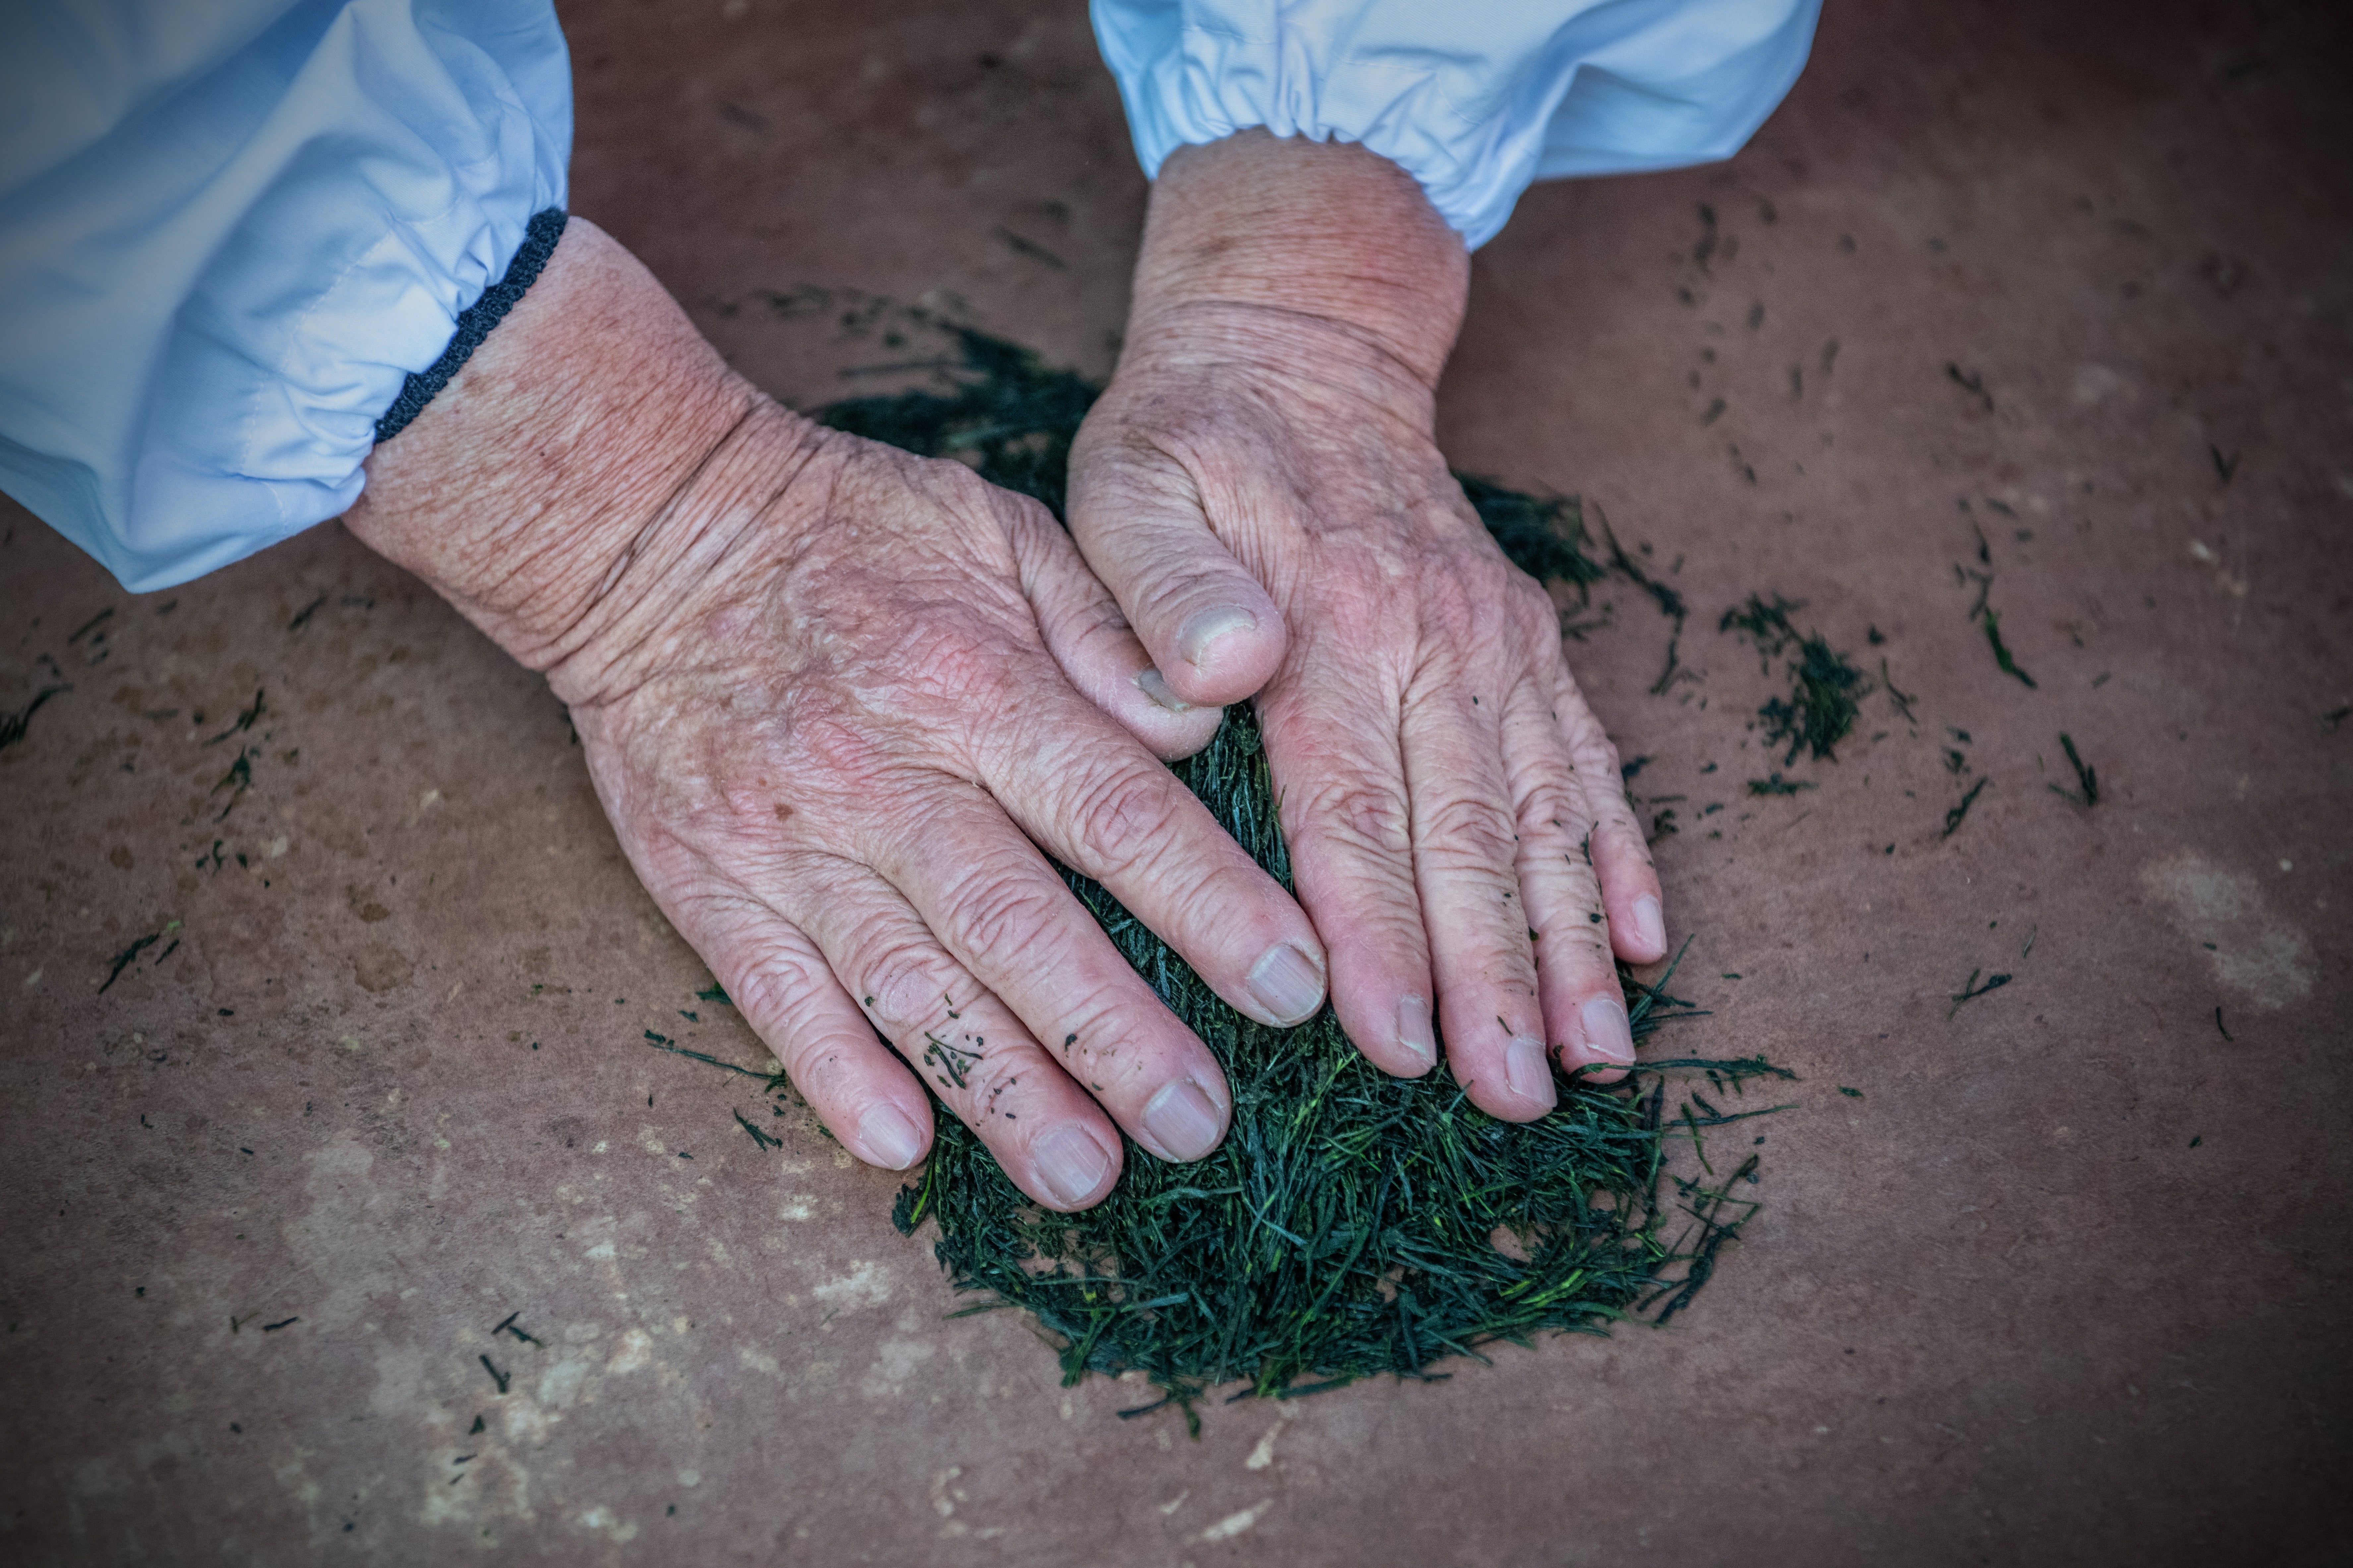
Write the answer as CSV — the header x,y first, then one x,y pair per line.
x,y
1286,242
572,485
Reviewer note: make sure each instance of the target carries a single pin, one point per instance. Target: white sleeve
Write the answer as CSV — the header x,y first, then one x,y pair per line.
x,y
1473,97
230,232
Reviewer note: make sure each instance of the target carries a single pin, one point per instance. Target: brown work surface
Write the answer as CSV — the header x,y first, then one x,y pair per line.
x,y
2064,1283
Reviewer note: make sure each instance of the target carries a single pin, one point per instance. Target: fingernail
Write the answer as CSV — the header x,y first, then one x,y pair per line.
x,y
1198,637
1153,686
1648,924
1286,985
1607,1033
1413,1029
890,1140
1528,1072
1071,1162
1183,1121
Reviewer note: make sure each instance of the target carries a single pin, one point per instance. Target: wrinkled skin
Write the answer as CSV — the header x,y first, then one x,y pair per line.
x,y
1260,488
832,776
830,693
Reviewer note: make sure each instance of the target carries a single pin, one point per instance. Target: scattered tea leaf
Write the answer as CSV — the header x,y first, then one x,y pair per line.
x,y
1952,817
2001,653
1970,990
2086,792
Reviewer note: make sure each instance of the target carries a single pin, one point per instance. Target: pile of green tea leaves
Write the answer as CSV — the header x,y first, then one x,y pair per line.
x,y
1352,1223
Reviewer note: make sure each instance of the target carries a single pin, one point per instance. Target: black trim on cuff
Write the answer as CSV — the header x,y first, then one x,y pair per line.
x,y
474,324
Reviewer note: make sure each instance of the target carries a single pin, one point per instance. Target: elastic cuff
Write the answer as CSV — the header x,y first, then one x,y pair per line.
x,y
474,323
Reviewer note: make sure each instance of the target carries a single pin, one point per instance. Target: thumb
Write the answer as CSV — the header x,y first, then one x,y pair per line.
x,y
1091,640
1213,631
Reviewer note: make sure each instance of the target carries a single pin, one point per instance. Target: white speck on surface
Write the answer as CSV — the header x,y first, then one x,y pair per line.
x,y
864,1285
602,1517
561,1385
1234,1524
1264,1454
2094,384
602,1251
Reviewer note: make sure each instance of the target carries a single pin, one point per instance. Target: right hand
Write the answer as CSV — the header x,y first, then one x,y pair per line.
x,y
835,699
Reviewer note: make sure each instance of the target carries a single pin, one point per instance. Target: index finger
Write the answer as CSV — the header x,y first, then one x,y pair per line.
x,y
1106,808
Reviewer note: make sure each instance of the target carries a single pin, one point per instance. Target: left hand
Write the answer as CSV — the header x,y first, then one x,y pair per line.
x,y
1260,488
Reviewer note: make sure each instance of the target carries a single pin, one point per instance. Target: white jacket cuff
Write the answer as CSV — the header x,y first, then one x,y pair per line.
x,y
228,232
1474,100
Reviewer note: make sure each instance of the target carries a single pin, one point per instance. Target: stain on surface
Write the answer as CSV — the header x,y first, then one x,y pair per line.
x,y
894,1363
381,969
2253,951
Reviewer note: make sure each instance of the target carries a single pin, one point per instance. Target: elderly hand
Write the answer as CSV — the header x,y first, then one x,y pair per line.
x,y
1260,489
833,699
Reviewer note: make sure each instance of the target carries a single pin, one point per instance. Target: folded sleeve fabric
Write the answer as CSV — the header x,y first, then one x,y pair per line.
x,y
230,235
1474,100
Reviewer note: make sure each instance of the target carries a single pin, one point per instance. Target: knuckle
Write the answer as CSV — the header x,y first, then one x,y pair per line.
x,y
1390,942
1468,829
771,986
1351,809
1108,1024
1618,842
904,974
995,1072
1002,905
827,1072
1124,813
1577,948
1556,804
1592,748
